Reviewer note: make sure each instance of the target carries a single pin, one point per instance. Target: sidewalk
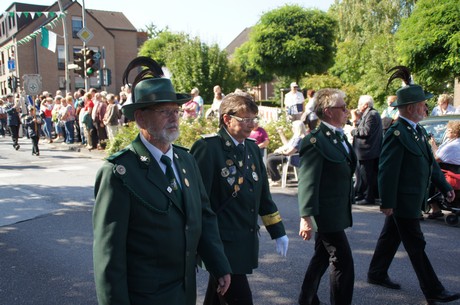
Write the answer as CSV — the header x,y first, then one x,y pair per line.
x,y
76,147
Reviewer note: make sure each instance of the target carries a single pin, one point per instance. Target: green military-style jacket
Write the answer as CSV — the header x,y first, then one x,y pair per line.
x,y
238,195
145,241
326,180
406,167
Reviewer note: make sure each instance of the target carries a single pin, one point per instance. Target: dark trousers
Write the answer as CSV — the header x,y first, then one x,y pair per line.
x,y
331,250
14,131
69,131
366,179
395,230
93,139
239,292
273,160
3,127
35,140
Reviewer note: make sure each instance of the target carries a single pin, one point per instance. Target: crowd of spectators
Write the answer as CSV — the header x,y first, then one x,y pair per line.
x,y
89,118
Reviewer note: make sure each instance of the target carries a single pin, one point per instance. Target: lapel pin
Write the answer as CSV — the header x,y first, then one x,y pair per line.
x,y
120,169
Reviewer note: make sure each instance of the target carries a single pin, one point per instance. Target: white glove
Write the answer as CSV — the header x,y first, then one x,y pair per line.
x,y
282,244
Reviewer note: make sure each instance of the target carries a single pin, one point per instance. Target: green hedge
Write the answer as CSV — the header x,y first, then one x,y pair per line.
x,y
191,130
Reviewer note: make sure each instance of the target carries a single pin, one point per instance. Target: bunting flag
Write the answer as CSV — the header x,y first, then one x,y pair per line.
x,y
33,14
51,24
49,39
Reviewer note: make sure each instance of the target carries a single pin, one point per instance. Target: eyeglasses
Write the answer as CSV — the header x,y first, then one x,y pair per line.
x,y
166,113
343,107
254,120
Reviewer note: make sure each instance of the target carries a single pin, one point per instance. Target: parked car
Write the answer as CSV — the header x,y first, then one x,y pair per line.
x,y
436,125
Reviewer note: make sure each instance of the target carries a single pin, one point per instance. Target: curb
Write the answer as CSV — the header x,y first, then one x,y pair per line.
x,y
76,147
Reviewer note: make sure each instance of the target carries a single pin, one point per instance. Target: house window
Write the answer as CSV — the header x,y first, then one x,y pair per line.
x,y
77,25
61,57
61,82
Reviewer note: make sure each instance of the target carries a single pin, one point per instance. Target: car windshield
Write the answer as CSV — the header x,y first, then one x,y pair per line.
x,y
435,129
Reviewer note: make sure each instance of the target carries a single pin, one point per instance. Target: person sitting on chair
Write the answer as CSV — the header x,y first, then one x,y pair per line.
x,y
289,148
448,157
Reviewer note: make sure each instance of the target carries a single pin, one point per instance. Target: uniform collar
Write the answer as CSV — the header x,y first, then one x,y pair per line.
x,y
233,139
332,128
155,152
411,123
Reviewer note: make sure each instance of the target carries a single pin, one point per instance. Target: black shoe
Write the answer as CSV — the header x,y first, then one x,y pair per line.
x,y
358,198
443,297
386,282
364,202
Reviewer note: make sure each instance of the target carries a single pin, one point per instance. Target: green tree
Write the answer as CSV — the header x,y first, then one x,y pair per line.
x,y
429,43
193,63
196,64
159,47
153,31
367,46
289,41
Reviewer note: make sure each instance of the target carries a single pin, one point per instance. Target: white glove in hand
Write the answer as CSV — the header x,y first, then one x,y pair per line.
x,y
282,244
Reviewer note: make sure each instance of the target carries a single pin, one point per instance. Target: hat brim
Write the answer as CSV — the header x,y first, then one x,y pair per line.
x,y
396,103
129,109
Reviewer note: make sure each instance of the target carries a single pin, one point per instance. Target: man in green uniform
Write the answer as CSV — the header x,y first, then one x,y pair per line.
x,y
327,164
406,168
152,217
236,181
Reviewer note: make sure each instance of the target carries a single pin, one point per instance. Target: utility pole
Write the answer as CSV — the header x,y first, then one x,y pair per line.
x,y
66,49
83,16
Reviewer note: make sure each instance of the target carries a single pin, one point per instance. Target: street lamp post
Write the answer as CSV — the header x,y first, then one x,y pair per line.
x,y
66,49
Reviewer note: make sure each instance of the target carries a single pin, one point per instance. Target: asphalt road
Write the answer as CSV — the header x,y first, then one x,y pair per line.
x,y
46,239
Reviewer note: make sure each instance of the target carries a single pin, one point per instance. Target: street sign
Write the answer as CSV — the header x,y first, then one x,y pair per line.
x,y
85,35
11,64
97,56
72,66
32,84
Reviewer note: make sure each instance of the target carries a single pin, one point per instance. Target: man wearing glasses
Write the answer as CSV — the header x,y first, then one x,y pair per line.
x,y
236,181
152,215
327,164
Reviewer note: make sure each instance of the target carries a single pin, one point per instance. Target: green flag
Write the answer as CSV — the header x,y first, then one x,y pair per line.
x,y
48,40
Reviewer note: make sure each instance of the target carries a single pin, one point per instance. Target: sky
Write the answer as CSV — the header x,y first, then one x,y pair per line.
x,y
214,21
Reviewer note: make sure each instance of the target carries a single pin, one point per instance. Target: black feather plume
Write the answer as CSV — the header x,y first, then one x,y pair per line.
x,y
401,72
153,69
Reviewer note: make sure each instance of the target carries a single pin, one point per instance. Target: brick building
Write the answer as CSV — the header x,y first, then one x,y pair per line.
x,y
21,52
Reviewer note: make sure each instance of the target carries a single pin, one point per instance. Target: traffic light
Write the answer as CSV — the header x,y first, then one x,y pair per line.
x,y
18,82
90,68
107,77
10,82
100,76
78,59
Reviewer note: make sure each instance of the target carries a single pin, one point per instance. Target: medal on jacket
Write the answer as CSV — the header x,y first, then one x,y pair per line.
x,y
236,189
240,180
254,174
231,180
224,172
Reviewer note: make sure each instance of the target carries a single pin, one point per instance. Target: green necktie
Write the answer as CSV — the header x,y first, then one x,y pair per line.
x,y
339,135
171,177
